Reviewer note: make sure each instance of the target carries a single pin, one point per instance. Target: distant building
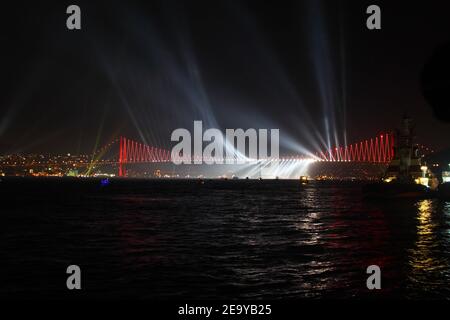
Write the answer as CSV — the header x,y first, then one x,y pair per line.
x,y
72,173
445,176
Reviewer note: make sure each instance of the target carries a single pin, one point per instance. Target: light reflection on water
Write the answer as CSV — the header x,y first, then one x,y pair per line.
x,y
429,269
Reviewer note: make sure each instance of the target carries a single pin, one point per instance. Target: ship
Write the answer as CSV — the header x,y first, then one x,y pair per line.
x,y
303,179
405,176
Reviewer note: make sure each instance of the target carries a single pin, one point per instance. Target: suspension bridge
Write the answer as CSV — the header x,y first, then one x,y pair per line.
x,y
376,150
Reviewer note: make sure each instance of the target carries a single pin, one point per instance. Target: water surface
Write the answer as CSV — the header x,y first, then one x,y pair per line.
x,y
181,239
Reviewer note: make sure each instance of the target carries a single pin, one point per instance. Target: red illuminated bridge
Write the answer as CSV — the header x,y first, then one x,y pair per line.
x,y
379,149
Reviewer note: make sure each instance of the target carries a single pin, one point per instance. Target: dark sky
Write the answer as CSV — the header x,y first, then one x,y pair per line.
x,y
143,69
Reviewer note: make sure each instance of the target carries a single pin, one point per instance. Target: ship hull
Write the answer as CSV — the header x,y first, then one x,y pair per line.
x,y
396,191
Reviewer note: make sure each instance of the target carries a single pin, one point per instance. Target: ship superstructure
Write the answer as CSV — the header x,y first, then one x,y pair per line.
x,y
406,166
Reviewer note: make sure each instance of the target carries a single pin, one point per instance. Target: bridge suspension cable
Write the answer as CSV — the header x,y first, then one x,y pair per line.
x,y
134,152
376,150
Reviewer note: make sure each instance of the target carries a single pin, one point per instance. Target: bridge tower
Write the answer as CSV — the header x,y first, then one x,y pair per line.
x,y
122,156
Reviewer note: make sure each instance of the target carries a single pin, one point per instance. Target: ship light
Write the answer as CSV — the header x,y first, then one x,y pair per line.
x,y
424,170
423,181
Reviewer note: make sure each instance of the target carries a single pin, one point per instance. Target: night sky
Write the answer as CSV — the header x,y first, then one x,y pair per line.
x,y
143,69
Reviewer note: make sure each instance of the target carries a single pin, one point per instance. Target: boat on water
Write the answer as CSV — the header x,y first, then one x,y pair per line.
x,y
406,176
397,190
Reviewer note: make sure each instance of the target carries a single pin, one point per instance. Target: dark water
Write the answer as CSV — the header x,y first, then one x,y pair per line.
x,y
220,239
